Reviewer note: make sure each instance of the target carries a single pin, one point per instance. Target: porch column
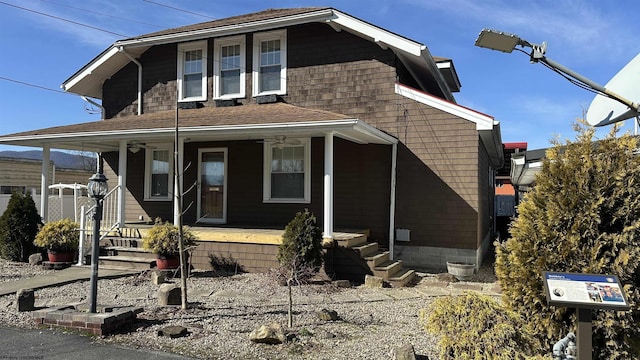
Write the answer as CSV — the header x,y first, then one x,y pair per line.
x,y
328,187
44,183
178,185
122,182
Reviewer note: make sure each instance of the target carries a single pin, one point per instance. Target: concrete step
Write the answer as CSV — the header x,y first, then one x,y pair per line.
x,y
349,240
377,259
366,249
403,278
126,262
129,251
388,269
120,241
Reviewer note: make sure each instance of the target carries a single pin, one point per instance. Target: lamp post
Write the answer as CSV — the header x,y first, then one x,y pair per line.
x,y
505,42
97,189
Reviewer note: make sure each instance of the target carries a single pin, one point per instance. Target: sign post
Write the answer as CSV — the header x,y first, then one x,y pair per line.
x,y
584,292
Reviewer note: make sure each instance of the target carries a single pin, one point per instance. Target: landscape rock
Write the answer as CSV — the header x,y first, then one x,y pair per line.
x,y
157,277
327,315
373,281
405,352
268,334
35,259
344,284
169,294
25,300
446,277
173,331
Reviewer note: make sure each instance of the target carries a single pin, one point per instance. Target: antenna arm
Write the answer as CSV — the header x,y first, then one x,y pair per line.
x,y
589,83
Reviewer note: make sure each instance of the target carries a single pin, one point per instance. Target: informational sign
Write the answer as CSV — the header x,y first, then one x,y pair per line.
x,y
589,291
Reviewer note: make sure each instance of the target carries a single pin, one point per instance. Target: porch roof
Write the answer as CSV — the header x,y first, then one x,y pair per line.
x,y
246,122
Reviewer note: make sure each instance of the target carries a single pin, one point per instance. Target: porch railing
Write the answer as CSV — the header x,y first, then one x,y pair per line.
x,y
108,223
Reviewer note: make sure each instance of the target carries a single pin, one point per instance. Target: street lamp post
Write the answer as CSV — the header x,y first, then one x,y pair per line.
x,y
97,189
505,42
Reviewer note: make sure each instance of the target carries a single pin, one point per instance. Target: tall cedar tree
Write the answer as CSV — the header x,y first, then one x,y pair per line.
x,y
582,216
19,225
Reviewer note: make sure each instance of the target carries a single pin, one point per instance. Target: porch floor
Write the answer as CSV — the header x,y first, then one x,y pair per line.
x,y
253,235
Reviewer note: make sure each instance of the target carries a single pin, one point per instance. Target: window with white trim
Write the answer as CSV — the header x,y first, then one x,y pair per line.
x,y
287,172
158,173
270,63
192,71
229,68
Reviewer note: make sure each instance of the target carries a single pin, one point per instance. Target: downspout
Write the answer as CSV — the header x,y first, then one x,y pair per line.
x,y
121,49
392,202
95,104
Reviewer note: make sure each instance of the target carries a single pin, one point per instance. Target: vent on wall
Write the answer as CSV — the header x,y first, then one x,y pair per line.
x,y
403,235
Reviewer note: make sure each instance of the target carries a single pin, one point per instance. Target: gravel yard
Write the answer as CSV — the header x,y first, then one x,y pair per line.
x,y
225,309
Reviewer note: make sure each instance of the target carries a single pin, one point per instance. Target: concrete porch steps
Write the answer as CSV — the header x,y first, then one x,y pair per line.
x,y
378,260
126,262
125,253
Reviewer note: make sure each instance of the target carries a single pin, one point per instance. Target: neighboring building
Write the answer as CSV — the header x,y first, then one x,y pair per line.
x,y
506,196
24,175
287,109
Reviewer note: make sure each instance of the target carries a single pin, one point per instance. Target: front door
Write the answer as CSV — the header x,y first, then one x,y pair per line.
x,y
212,185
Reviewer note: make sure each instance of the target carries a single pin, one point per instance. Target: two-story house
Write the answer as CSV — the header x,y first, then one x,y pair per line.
x,y
287,109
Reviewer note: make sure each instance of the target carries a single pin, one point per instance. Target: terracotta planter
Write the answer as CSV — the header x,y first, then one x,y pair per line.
x,y
61,256
167,262
462,271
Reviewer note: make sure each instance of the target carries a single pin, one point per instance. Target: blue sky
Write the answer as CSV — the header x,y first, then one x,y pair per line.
x,y
592,37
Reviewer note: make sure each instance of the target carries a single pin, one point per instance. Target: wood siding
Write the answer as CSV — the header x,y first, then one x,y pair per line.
x,y
441,170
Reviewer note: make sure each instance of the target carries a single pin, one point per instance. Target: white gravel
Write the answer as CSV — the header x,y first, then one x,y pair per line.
x,y
224,310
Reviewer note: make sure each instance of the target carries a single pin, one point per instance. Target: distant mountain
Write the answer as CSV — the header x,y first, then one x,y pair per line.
x,y
60,159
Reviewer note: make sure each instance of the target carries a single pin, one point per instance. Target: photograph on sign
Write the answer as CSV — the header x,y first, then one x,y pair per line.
x,y
584,290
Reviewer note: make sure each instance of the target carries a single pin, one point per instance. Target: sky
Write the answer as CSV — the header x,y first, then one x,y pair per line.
x,y
591,37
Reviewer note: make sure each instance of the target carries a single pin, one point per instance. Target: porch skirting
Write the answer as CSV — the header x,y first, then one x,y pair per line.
x,y
250,257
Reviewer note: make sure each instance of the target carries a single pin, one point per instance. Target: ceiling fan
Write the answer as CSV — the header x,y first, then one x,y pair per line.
x,y
135,146
281,141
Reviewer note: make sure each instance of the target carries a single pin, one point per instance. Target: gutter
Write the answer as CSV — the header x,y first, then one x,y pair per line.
x,y
95,104
121,49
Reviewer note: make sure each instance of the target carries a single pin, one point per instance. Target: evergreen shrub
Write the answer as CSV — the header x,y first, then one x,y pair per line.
x,y
19,225
582,216
301,243
476,327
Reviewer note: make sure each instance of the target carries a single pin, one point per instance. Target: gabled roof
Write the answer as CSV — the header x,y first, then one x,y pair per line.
x,y
247,122
88,80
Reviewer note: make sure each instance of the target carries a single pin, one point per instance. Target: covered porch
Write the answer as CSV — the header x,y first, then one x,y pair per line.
x,y
122,137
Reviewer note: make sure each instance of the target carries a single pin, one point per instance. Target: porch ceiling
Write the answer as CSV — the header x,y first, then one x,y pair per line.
x,y
246,122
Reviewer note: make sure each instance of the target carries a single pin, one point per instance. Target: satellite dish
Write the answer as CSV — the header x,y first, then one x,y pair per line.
x,y
604,110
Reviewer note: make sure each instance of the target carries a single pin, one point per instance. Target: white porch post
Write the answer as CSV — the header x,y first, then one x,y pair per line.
x,y
44,184
328,187
177,188
122,182
392,200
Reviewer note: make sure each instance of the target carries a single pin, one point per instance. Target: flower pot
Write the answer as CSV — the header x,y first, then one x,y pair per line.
x,y
61,256
167,262
462,271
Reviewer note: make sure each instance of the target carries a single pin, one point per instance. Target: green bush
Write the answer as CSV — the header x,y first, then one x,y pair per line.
x,y
476,327
301,245
163,238
582,216
19,225
61,235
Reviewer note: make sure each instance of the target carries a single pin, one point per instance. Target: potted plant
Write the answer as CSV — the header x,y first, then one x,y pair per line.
x,y
163,240
60,238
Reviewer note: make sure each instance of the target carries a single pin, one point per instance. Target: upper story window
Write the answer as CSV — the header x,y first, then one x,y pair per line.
x,y
158,173
287,176
229,68
192,71
270,63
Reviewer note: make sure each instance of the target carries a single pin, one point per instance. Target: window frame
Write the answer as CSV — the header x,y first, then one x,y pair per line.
x,y
148,176
185,47
258,39
268,155
217,68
